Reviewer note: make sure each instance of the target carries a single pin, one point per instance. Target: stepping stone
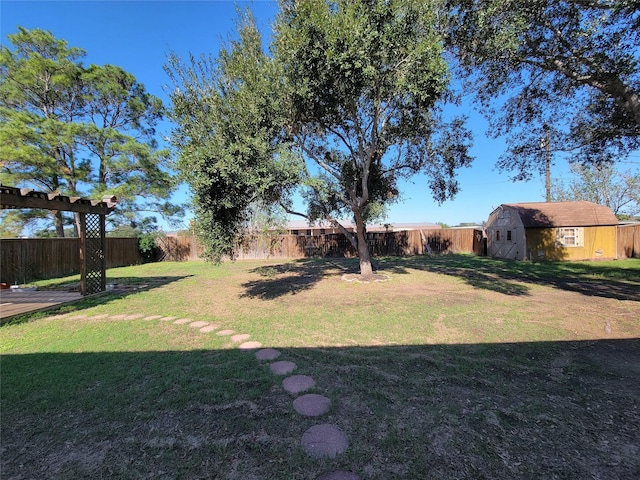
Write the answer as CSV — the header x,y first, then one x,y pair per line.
x,y
324,440
283,367
311,405
250,345
208,328
240,337
298,383
182,321
223,333
267,354
340,475
152,317
134,316
198,324
167,319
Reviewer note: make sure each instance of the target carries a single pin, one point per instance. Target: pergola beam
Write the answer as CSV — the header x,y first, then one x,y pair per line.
x,y
11,197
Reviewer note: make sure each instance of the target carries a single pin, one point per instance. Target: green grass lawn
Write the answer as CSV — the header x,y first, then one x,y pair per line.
x,y
456,367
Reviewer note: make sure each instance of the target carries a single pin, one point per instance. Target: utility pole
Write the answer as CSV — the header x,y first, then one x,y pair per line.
x,y
547,145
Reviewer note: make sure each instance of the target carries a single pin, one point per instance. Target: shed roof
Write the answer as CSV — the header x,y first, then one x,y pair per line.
x,y
563,214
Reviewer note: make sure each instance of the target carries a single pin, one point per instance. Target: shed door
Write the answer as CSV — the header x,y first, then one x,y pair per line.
x,y
505,243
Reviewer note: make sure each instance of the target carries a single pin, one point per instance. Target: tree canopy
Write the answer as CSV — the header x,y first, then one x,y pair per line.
x,y
229,116
76,130
604,185
571,65
346,103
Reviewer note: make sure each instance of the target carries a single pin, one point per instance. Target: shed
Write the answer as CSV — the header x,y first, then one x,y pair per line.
x,y
552,231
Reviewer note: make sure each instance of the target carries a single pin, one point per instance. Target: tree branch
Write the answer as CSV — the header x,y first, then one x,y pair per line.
x,y
293,212
318,161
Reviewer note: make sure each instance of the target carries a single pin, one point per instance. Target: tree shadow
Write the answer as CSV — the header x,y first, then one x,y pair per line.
x,y
508,277
462,266
294,277
512,277
502,411
302,275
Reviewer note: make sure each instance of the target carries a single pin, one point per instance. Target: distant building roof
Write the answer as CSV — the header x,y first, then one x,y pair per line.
x,y
559,214
304,225
404,226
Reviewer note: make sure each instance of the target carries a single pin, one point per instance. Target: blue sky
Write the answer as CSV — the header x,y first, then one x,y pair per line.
x,y
138,36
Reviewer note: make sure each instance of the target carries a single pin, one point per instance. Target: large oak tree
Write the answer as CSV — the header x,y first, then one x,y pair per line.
x,y
571,66
346,103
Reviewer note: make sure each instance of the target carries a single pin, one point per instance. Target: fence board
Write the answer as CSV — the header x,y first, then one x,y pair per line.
x,y
629,241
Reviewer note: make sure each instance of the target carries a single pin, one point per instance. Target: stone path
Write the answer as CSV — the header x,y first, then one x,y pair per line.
x,y
320,441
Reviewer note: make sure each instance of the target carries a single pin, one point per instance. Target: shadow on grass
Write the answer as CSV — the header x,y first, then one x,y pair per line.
x,y
501,411
295,277
127,285
503,276
591,279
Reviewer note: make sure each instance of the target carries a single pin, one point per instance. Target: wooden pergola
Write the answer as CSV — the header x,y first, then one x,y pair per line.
x,y
92,214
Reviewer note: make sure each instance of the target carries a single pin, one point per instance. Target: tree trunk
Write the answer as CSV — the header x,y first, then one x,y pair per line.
x,y
76,224
626,97
366,269
58,222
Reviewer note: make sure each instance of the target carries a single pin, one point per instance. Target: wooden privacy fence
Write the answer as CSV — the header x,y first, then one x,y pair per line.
x,y
179,249
629,241
27,259
24,260
411,242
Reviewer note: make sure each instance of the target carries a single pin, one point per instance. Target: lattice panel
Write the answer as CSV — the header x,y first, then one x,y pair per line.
x,y
94,253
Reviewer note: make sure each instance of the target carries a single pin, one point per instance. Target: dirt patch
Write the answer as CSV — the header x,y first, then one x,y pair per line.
x,y
376,277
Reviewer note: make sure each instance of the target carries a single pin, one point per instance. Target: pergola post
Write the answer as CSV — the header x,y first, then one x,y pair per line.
x,y
82,233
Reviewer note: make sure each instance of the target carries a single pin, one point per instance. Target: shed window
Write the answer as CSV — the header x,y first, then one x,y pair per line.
x,y
309,233
497,235
294,232
570,237
508,235
504,218
323,231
